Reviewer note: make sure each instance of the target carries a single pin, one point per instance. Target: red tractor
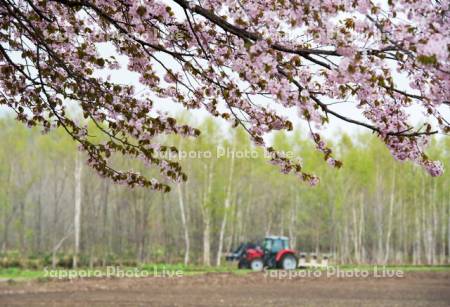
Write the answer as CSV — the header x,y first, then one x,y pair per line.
x,y
274,253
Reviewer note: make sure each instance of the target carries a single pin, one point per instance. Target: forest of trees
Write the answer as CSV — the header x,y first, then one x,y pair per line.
x,y
373,210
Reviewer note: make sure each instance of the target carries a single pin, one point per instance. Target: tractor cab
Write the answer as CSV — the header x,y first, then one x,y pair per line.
x,y
274,244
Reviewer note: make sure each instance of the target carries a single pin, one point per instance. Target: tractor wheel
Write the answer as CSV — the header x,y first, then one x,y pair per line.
x,y
257,265
289,262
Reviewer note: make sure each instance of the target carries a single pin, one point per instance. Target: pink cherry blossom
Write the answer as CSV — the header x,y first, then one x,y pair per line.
x,y
248,62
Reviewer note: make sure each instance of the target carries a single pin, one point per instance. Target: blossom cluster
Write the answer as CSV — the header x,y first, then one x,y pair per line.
x,y
233,57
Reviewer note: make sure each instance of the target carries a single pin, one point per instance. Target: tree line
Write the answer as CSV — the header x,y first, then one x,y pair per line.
x,y
372,210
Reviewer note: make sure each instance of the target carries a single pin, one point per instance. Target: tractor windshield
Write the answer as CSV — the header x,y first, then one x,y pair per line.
x,y
277,245
274,245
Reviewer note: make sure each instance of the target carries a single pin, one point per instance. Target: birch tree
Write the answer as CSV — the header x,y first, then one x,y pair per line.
x,y
77,209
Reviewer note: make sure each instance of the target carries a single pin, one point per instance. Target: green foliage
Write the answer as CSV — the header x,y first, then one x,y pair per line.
x,y
127,227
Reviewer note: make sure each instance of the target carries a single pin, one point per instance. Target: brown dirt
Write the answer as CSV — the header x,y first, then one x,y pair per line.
x,y
213,289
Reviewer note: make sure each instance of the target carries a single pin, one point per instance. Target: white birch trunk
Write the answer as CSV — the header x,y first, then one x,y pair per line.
x,y
77,211
355,236
361,229
225,214
206,218
184,224
391,211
